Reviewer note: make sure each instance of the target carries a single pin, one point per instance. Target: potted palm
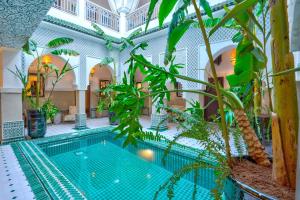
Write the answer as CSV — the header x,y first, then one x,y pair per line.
x,y
38,111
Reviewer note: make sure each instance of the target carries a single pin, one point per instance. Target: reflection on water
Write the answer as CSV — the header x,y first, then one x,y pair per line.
x,y
147,154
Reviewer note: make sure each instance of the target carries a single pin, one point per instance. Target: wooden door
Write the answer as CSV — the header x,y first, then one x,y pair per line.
x,y
212,109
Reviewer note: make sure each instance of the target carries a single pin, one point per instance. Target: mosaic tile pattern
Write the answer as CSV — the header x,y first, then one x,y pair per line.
x,y
159,122
80,120
107,177
13,131
57,185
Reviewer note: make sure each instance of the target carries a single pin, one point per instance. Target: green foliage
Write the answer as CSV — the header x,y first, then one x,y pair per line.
x,y
206,7
150,12
50,109
249,61
174,37
107,61
165,9
30,47
57,42
178,26
128,42
68,52
239,11
48,69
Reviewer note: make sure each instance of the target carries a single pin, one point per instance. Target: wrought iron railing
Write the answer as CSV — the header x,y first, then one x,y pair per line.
x,y
139,16
70,6
102,16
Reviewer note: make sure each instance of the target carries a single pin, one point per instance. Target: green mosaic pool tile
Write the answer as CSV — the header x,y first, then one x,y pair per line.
x,y
111,175
35,184
56,184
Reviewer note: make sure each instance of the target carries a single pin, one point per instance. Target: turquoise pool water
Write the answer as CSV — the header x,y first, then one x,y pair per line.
x,y
101,169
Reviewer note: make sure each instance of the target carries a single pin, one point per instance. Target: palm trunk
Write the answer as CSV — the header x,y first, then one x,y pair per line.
x,y
255,149
285,93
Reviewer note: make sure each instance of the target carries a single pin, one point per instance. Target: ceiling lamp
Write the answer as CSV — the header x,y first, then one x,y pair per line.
x,y
123,6
46,60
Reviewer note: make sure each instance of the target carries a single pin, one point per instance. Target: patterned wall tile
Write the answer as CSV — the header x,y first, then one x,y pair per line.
x,y
12,130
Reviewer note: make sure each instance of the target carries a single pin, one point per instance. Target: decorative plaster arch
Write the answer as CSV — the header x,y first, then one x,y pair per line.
x,y
217,49
92,62
73,61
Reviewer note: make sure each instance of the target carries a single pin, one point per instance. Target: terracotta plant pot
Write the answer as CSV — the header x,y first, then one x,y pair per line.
x,y
36,123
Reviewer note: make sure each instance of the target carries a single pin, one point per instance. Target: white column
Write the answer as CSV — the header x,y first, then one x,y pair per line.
x,y
123,23
80,105
81,8
11,115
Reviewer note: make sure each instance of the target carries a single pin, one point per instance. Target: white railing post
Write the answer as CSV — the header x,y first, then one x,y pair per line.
x,y
139,16
81,8
70,6
102,16
123,23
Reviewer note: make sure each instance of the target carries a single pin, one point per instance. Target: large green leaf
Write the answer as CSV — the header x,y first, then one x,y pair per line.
x,y
165,8
30,46
68,52
175,36
59,42
206,7
237,37
239,8
150,12
238,80
255,21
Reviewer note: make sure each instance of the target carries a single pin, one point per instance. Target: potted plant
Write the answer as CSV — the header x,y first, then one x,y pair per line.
x,y
50,110
38,112
110,94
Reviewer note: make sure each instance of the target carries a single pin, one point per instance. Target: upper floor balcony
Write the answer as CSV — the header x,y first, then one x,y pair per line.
x,y
139,16
92,12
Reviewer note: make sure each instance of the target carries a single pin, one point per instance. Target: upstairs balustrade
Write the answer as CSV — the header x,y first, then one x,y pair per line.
x,y
139,16
97,14
69,6
102,16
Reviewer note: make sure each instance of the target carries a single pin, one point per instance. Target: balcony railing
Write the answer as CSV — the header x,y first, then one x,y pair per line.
x,y
139,16
102,16
70,6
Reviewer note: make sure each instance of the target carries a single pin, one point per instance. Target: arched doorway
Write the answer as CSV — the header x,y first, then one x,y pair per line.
x,y
63,95
224,62
99,77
